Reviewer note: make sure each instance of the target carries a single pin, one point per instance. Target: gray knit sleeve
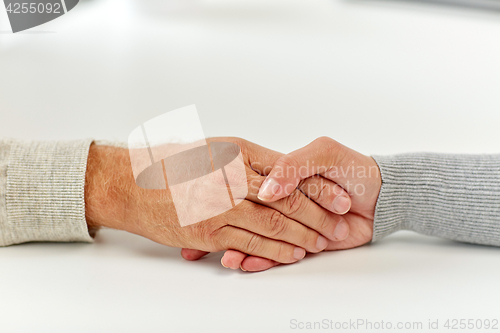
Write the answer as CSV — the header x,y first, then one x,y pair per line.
x,y
42,191
450,196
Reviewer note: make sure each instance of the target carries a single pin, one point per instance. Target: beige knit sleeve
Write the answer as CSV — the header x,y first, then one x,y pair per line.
x,y
42,191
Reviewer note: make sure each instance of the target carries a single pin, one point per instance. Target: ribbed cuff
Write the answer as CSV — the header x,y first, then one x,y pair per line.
x,y
45,192
450,196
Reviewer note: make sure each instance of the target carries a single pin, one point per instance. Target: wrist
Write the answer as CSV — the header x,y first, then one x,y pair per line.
x,y
108,173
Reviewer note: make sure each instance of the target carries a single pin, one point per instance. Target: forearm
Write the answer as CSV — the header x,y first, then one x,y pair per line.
x,y
113,200
451,196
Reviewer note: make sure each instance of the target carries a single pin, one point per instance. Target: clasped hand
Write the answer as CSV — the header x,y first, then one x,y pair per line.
x,y
316,198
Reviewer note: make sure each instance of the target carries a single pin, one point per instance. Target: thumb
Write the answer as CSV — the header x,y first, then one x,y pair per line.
x,y
318,157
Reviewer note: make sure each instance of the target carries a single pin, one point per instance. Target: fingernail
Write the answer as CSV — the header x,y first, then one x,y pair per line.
x,y
222,263
341,231
321,243
268,189
299,253
244,270
341,204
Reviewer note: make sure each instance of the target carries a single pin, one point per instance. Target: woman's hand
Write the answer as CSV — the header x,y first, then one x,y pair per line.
x,y
324,160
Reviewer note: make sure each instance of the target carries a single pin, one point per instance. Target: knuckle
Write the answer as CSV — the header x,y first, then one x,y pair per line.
x,y
316,189
284,253
337,190
287,162
294,203
327,194
324,222
327,145
217,238
308,240
236,140
254,182
253,244
277,223
280,251
323,141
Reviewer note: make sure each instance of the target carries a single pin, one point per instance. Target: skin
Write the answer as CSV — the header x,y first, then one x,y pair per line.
x,y
280,230
323,159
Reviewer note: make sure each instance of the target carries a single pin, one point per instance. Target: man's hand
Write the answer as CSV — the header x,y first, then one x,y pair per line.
x,y
324,160
281,230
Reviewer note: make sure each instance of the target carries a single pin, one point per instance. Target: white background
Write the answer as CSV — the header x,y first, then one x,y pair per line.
x,y
379,76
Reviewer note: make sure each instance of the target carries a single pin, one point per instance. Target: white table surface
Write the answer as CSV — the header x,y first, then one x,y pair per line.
x,y
379,76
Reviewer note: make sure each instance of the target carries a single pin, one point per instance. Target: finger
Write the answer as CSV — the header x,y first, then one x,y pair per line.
x,y
361,233
262,159
245,241
259,158
326,193
297,207
233,259
319,157
257,264
273,224
191,255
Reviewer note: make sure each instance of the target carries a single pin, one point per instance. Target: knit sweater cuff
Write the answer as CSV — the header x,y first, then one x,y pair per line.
x,y
451,196
44,195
